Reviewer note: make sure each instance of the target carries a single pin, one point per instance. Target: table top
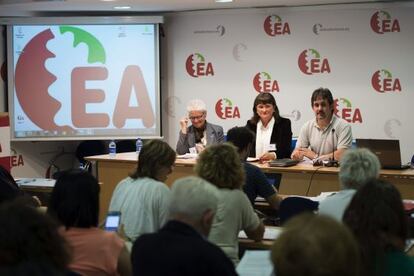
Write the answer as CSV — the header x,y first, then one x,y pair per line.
x,y
132,157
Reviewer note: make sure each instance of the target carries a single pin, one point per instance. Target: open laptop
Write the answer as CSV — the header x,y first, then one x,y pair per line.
x,y
284,162
387,151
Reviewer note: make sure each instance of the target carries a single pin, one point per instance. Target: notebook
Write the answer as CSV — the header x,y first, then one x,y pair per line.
x,y
284,162
387,151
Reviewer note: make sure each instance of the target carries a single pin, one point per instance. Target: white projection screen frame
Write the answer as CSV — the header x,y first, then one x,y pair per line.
x,y
79,78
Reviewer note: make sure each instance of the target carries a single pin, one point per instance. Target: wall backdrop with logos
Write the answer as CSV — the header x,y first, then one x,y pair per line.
x,y
362,53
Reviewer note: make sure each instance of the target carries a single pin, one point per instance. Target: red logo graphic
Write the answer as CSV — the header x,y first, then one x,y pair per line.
x,y
310,62
381,22
262,82
273,26
382,81
197,67
344,110
226,110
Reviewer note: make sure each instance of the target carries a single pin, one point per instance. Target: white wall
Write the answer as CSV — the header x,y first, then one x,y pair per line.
x,y
237,46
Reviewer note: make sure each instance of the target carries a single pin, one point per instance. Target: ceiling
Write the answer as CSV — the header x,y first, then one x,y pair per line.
x,y
10,8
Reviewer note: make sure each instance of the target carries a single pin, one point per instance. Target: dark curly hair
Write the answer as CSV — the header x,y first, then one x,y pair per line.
x,y
376,217
30,242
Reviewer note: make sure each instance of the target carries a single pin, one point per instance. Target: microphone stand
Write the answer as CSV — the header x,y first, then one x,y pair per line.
x,y
332,162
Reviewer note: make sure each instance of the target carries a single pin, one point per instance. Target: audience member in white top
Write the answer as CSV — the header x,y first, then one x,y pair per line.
x,y
358,166
143,198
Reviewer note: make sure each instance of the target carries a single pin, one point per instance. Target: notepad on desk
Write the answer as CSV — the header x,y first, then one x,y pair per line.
x,y
255,262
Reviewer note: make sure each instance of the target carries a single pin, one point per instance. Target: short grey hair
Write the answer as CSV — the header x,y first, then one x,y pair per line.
x,y
192,196
196,105
358,166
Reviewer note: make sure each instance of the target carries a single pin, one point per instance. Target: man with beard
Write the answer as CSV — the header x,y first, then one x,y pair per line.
x,y
201,133
326,135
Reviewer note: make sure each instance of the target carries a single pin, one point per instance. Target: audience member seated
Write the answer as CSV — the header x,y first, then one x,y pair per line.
x,y
256,183
376,217
30,243
201,133
9,190
143,198
357,167
75,204
180,247
314,245
221,166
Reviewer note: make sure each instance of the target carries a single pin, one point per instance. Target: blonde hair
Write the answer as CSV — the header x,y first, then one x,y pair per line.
x,y
220,164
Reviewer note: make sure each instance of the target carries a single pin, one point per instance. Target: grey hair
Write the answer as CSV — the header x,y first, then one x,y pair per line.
x,y
192,196
196,105
358,166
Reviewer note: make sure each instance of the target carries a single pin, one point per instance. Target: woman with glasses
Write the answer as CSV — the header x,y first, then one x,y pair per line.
x,y
200,134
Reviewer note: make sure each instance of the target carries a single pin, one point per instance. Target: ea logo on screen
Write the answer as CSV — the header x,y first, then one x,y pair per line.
x,y
383,81
381,22
274,26
262,82
343,109
225,109
197,66
32,75
310,62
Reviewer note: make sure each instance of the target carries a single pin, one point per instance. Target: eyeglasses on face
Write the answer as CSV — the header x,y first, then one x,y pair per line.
x,y
193,118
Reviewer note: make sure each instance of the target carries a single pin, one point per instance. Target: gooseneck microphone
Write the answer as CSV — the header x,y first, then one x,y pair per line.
x,y
332,162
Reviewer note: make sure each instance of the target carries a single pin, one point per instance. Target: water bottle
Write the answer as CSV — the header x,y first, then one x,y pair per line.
x,y
112,149
138,145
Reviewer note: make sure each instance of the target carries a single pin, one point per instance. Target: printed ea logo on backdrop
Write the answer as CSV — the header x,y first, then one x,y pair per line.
x,y
273,26
383,81
382,22
263,83
226,110
343,109
310,62
197,66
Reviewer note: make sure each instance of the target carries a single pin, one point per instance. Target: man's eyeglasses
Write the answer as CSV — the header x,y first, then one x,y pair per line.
x,y
193,118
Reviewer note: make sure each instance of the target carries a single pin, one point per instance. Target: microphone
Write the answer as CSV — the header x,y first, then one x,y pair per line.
x,y
332,162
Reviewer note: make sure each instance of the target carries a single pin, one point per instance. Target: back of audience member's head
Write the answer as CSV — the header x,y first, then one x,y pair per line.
x,y
315,245
358,166
154,156
8,187
241,137
29,242
75,199
192,198
220,165
376,217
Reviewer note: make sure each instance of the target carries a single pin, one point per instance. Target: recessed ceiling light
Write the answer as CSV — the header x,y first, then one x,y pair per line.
x,y
224,1
122,7
108,0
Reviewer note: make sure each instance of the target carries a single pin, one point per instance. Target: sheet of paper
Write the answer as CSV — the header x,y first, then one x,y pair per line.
x,y
271,233
187,156
255,263
36,182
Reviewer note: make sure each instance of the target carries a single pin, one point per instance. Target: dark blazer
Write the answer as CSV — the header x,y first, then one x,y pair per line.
x,y
214,135
281,136
177,249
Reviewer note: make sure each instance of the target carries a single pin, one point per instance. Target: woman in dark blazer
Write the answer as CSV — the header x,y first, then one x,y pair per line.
x,y
266,122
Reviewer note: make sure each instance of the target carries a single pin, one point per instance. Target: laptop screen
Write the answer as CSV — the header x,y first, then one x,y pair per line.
x,y
387,151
